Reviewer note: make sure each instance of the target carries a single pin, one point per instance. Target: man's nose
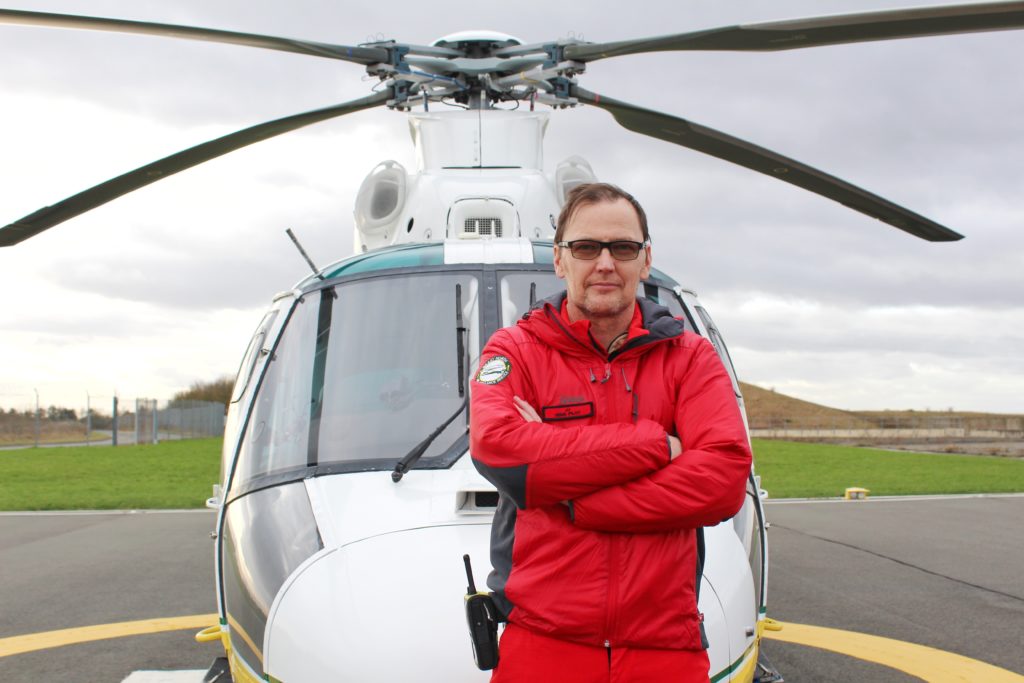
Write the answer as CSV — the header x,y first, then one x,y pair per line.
x,y
605,260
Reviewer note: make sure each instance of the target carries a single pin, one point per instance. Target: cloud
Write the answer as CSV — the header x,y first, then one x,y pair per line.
x,y
812,297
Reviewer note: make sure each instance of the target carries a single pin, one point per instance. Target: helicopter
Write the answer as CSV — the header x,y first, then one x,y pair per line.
x,y
333,544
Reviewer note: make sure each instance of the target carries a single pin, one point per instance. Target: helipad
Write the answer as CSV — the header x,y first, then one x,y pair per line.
x,y
924,588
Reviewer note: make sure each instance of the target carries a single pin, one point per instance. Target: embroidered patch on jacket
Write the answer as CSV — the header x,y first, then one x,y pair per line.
x,y
569,411
494,370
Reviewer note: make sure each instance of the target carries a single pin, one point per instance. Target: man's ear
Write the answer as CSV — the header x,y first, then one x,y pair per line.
x,y
558,263
645,272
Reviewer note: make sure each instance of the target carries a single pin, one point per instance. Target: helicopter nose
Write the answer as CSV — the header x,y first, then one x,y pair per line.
x,y
386,608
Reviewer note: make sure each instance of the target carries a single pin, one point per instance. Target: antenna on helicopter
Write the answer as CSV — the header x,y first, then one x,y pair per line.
x,y
295,241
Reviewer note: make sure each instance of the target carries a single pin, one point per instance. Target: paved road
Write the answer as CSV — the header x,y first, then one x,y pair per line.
x,y
946,573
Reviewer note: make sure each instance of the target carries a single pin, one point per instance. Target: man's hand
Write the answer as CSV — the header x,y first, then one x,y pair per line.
x,y
530,415
526,410
675,446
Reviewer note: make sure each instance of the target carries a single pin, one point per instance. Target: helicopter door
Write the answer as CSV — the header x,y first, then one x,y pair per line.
x,y
750,522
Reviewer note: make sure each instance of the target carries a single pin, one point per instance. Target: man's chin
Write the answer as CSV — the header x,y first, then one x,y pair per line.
x,y
604,309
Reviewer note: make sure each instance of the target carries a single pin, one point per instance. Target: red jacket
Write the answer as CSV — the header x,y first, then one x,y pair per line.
x,y
618,566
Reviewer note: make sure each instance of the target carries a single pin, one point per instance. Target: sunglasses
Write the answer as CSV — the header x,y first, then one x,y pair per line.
x,y
588,250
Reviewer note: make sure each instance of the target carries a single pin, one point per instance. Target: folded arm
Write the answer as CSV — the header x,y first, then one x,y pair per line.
x,y
705,484
535,463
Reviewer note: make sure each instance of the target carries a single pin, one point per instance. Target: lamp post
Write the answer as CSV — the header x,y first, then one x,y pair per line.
x,y
113,433
37,417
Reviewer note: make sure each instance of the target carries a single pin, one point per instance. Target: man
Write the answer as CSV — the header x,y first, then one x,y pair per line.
x,y
612,435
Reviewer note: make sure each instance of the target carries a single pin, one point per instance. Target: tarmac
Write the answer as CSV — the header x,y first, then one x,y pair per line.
x,y
942,572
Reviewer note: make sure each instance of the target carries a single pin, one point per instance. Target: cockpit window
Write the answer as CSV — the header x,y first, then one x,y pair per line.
x,y
251,354
515,290
363,372
719,343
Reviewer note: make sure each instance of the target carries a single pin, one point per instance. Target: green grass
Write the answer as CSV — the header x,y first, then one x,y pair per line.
x,y
807,470
173,474
178,474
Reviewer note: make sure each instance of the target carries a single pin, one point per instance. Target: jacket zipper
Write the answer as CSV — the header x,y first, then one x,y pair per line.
x,y
612,610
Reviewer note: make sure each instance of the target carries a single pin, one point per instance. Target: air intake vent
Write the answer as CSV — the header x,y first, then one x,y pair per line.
x,y
485,499
476,502
482,218
483,227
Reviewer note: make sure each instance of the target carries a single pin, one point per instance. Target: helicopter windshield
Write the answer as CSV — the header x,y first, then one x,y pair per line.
x,y
367,366
364,369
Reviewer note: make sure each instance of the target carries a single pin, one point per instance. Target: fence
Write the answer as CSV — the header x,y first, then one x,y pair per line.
x,y
949,432
106,420
192,419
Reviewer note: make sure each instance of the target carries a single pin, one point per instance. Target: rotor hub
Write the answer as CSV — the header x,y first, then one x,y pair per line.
x,y
477,43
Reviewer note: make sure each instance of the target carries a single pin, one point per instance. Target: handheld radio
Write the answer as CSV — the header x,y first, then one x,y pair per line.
x,y
482,617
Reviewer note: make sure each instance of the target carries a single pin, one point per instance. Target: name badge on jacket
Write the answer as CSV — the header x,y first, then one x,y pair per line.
x,y
568,411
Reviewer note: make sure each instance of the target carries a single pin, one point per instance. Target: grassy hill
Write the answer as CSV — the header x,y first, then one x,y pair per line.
x,y
768,408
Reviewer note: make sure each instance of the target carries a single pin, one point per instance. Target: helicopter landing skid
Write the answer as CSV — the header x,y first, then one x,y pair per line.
x,y
220,671
765,672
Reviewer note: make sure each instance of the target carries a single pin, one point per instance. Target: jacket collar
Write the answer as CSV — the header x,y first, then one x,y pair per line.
x,y
546,321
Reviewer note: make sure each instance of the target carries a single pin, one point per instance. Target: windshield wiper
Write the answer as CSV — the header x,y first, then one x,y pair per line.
x,y
410,458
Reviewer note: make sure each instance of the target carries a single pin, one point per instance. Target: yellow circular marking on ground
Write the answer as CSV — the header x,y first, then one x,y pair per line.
x,y
927,663
16,645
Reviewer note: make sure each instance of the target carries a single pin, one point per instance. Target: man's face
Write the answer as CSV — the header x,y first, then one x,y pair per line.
x,y
603,287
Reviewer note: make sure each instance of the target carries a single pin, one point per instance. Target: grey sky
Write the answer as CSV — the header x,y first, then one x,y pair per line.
x,y
814,299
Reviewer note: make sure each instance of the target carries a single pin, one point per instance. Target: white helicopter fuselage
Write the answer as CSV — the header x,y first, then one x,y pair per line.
x,y
327,569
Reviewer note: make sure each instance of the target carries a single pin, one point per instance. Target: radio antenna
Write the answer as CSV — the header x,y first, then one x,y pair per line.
x,y
295,240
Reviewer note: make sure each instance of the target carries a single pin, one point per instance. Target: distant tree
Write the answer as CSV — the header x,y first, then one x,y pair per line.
x,y
59,414
97,420
218,390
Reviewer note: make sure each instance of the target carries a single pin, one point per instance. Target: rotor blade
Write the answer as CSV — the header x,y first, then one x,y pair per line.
x,y
49,216
359,55
723,146
832,30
